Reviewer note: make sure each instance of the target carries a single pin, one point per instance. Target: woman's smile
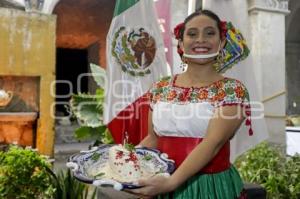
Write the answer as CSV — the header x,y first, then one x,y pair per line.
x,y
200,50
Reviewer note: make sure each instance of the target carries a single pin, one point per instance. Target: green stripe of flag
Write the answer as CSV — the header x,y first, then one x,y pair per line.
x,y
122,5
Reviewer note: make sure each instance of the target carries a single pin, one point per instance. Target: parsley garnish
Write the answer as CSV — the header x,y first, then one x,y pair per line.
x,y
147,157
129,147
96,156
98,175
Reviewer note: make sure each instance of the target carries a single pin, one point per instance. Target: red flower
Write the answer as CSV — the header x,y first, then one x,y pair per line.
x,y
219,84
171,95
221,94
178,30
240,93
203,94
181,97
223,29
162,84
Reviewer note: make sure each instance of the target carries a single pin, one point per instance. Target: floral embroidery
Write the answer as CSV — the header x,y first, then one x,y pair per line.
x,y
162,84
203,94
240,92
219,84
220,93
156,97
171,95
225,91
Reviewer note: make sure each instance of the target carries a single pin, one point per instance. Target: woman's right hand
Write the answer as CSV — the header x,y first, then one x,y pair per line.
x,y
153,186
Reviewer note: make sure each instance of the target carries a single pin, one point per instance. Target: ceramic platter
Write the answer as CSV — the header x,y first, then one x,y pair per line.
x,y
84,162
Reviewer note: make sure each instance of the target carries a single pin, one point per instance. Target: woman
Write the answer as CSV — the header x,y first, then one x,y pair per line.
x,y
194,116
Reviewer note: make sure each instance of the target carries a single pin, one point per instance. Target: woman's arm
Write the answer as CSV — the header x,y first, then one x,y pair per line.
x,y
150,140
221,128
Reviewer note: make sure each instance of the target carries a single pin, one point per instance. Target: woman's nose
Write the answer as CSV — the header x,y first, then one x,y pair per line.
x,y
201,38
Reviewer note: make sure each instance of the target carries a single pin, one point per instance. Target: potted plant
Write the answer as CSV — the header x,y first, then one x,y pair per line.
x,y
69,187
25,174
268,166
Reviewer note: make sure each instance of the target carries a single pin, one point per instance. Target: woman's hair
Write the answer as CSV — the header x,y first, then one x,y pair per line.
x,y
207,13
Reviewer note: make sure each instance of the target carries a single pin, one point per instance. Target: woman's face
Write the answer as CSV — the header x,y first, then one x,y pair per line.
x,y
201,36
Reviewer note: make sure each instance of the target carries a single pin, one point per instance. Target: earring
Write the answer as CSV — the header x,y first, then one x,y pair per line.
x,y
219,61
183,64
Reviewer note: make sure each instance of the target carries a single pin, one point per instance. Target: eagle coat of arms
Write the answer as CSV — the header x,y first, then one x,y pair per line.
x,y
134,50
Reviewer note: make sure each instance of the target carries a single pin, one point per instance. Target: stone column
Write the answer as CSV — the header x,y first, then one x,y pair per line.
x,y
267,21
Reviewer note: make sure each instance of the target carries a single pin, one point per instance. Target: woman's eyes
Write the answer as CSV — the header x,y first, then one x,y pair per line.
x,y
192,34
206,33
211,32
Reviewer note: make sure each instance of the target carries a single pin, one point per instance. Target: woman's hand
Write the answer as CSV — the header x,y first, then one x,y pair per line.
x,y
155,185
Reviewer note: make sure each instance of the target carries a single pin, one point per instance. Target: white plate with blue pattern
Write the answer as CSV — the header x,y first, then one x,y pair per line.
x,y
82,163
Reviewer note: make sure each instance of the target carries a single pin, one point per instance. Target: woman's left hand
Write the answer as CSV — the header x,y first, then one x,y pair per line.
x,y
154,186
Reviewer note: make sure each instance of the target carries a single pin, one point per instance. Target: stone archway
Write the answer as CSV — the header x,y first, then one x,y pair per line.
x,y
81,27
293,59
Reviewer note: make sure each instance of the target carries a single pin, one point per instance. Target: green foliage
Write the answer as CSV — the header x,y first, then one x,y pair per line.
x,y
100,133
129,147
267,165
88,109
99,75
69,187
25,174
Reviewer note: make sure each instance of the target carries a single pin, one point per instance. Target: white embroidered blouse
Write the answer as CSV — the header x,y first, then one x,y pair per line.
x,y
185,112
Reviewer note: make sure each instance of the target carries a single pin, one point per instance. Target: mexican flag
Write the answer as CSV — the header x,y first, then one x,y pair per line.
x,y
135,60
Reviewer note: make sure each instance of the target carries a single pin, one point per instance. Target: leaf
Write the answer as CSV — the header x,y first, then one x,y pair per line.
x,y
147,157
87,109
107,138
129,147
99,175
86,132
83,132
268,166
96,156
69,187
99,74
19,167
